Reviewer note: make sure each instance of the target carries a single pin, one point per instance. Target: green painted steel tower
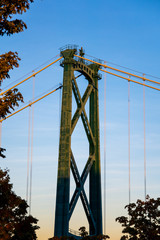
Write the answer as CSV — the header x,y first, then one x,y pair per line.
x,y
66,162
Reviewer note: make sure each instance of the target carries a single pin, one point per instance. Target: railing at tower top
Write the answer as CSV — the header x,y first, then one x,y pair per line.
x,y
68,46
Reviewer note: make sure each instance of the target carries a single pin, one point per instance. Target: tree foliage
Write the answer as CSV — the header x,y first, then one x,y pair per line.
x,y
83,232
11,98
7,62
143,221
10,25
85,236
15,224
8,9
9,101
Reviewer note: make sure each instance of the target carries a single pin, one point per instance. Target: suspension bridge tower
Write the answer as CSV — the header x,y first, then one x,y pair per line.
x,y
66,162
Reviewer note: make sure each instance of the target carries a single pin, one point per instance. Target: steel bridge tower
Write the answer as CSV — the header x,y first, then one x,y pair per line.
x,y
64,205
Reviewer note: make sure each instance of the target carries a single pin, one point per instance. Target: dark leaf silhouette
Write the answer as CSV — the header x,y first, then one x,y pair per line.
x,y
15,224
143,221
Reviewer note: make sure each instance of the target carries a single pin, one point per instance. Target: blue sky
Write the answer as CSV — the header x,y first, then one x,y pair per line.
x,y
118,31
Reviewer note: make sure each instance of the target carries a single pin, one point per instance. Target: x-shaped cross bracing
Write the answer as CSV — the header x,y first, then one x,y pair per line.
x,y
79,191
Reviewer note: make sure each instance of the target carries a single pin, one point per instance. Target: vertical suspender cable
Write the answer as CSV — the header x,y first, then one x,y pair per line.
x,y
105,153
30,197
129,162
144,141
28,154
60,96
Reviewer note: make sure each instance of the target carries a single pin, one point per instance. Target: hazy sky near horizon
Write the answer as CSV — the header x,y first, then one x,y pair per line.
x,y
123,32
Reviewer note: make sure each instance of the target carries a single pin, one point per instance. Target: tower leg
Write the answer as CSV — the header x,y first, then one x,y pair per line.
x,y
63,181
95,173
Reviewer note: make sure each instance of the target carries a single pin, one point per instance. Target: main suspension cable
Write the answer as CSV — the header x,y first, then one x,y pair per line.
x,y
24,76
28,105
115,69
34,74
131,80
133,70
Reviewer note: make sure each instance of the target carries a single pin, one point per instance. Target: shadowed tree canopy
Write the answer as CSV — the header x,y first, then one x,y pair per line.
x,y
15,224
10,24
85,236
143,221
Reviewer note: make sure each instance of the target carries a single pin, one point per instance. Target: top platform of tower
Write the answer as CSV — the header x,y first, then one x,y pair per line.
x,y
69,51
69,46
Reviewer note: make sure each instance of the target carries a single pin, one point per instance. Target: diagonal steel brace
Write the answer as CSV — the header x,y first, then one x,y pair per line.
x,y
81,110
79,191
